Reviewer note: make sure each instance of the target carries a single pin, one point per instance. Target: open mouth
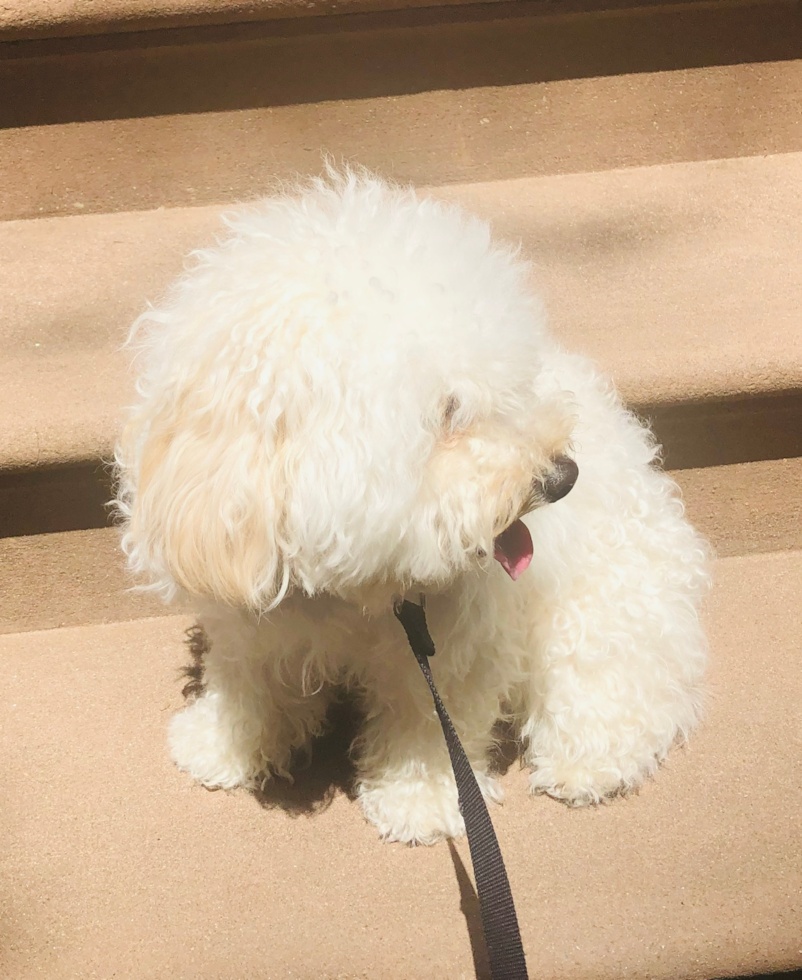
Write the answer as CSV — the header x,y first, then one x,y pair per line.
x,y
513,548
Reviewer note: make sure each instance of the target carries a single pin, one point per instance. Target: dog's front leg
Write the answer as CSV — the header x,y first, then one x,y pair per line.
x,y
617,678
251,717
406,786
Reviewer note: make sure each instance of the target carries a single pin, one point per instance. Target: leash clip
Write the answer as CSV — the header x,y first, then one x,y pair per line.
x,y
412,617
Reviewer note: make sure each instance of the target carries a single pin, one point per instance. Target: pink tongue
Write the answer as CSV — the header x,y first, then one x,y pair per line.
x,y
514,549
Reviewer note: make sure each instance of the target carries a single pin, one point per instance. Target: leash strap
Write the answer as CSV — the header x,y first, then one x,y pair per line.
x,y
499,920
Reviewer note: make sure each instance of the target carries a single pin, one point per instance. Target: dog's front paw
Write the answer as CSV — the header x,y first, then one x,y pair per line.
x,y
202,743
413,811
581,784
417,810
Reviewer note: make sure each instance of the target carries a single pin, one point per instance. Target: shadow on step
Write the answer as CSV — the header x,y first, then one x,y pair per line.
x,y
326,770
323,773
785,975
469,906
290,62
712,433
720,432
42,500
320,775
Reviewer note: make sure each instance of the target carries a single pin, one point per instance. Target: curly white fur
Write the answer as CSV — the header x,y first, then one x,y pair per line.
x,y
346,401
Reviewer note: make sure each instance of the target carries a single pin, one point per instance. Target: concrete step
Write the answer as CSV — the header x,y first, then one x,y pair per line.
x,y
482,92
68,18
680,280
124,127
27,19
114,863
77,578
74,578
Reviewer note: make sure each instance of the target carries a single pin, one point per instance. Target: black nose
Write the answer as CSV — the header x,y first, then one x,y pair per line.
x,y
561,482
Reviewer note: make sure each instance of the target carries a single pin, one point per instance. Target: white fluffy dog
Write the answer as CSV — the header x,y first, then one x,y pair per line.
x,y
354,398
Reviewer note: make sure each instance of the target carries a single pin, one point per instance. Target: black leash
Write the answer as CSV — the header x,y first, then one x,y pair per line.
x,y
499,920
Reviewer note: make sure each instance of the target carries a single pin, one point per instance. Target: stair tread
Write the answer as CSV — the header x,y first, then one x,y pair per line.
x,y
65,18
681,280
70,18
118,864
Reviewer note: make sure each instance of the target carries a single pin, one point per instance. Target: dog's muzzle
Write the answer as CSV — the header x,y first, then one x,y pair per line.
x,y
559,483
513,547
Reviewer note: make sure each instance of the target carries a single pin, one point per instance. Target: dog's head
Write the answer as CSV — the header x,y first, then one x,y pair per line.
x,y
350,392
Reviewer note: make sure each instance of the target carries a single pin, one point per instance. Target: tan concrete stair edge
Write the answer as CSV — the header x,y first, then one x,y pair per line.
x,y
682,281
65,18
113,862
20,19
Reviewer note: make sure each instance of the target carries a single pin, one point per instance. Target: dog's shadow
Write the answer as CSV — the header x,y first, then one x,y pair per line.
x,y
322,773
327,770
317,776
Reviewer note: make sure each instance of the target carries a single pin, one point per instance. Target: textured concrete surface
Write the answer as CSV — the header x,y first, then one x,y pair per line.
x,y
77,578
112,863
680,280
64,18
72,288
746,508
728,430
68,579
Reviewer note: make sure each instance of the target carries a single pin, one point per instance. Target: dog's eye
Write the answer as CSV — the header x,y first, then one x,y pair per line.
x,y
449,411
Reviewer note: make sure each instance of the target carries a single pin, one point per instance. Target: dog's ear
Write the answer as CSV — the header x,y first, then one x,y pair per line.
x,y
199,489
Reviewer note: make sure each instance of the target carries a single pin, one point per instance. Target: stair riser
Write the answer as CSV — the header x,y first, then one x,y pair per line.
x,y
60,498
704,445
139,121
68,579
76,578
713,437
722,432
747,508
